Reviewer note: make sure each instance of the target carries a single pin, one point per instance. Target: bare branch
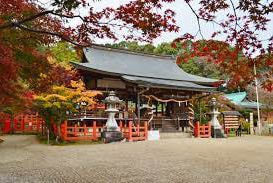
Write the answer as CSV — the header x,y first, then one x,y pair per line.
x,y
197,17
68,16
235,14
15,24
52,34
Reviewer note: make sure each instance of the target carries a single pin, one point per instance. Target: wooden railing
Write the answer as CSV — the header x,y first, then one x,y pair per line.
x,y
76,133
203,131
5,123
32,123
130,132
134,132
22,123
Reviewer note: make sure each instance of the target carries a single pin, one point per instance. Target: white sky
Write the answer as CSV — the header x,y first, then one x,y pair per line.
x,y
186,20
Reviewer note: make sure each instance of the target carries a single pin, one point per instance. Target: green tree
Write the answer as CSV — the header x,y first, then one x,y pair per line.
x,y
55,105
64,52
166,49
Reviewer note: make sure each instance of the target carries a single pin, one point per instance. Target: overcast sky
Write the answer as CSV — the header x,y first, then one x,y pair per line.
x,y
186,20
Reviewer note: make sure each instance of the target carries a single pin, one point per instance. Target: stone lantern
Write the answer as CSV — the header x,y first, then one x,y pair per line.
x,y
217,131
111,132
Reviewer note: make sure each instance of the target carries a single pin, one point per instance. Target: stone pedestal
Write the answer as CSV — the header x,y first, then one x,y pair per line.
x,y
111,136
217,133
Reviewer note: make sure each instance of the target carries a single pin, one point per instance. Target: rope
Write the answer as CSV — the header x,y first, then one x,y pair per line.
x,y
165,101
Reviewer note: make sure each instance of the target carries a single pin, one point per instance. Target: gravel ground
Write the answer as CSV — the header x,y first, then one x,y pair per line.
x,y
245,159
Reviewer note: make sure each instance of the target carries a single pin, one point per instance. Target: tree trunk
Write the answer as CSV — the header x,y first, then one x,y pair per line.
x,y
58,133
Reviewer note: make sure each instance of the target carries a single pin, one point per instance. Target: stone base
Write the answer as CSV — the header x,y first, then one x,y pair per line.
x,y
217,133
111,136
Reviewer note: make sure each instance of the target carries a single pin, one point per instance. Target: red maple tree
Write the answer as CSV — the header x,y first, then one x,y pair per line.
x,y
243,49
26,24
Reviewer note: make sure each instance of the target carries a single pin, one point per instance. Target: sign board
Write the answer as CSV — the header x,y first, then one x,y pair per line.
x,y
153,135
251,123
110,83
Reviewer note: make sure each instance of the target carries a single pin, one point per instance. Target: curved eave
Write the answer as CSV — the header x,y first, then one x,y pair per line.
x,y
180,85
82,66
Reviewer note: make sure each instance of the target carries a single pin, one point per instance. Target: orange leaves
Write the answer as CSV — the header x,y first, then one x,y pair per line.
x,y
229,60
84,95
268,85
141,15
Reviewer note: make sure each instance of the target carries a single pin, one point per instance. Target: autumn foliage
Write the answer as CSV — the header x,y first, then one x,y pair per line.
x,y
54,105
29,27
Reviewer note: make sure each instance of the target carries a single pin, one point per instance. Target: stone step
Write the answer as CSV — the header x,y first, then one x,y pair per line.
x,y
169,124
169,127
173,135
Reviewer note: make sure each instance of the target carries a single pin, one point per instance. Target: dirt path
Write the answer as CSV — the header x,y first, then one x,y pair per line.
x,y
246,159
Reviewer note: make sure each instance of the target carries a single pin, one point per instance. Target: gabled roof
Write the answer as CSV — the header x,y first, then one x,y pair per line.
x,y
239,98
141,68
236,97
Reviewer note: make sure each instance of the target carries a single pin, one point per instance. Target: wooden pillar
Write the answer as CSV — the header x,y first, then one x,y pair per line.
x,y
146,130
197,129
199,106
75,130
138,129
130,138
120,125
126,105
94,131
138,107
65,130
22,123
84,130
209,130
156,108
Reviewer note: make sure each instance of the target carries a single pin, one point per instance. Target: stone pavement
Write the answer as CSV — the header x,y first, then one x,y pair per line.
x,y
246,159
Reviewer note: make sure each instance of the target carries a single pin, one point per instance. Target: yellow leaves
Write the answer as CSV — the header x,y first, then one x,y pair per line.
x,y
61,100
55,97
83,94
53,61
78,85
62,97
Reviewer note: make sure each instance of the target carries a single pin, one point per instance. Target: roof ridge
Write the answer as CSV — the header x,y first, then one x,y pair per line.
x,y
123,50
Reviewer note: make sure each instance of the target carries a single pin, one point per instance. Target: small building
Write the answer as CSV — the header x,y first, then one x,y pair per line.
x,y
154,88
240,99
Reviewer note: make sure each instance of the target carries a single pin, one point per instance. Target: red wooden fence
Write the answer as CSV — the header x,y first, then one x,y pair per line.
x,y
203,131
32,123
76,133
5,120
22,123
134,132
129,131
